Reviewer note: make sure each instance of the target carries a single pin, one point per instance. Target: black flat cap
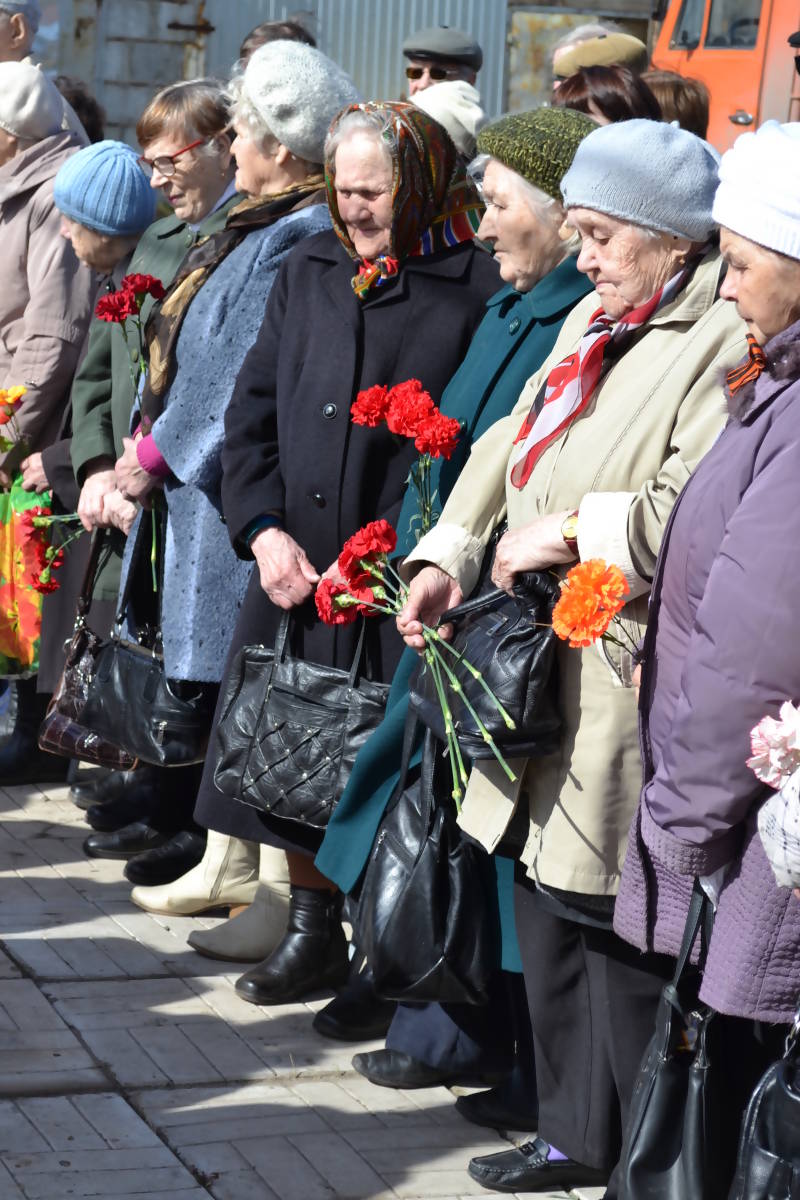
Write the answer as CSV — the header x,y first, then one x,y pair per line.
x,y
444,42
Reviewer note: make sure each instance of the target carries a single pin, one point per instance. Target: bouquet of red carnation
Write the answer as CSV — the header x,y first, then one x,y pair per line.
x,y
126,304
408,411
371,587
41,556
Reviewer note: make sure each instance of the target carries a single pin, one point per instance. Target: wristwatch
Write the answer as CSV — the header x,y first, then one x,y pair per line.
x,y
569,531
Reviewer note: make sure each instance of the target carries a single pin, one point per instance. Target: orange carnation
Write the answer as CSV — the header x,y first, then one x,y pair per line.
x,y
591,596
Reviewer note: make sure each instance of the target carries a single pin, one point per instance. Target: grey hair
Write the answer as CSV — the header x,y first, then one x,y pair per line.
x,y
375,123
585,33
245,113
547,209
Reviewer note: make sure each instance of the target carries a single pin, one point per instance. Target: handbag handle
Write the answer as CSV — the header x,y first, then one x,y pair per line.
x,y
282,637
139,554
700,919
90,576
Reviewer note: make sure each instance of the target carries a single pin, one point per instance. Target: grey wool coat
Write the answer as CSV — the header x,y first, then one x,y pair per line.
x,y
721,653
204,580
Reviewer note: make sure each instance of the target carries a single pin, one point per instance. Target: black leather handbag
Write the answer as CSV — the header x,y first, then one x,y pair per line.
x,y
129,699
676,1145
426,915
768,1162
510,640
290,730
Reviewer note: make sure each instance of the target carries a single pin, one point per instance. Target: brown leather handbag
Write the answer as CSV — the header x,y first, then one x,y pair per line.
x,y
62,731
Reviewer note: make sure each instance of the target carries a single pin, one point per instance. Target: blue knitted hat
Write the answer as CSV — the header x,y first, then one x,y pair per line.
x,y
647,172
104,188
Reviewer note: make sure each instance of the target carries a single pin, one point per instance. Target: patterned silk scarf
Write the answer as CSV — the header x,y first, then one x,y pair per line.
x,y
435,205
750,369
571,384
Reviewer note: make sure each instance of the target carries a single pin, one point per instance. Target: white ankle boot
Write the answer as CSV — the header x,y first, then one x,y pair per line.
x,y
227,875
253,934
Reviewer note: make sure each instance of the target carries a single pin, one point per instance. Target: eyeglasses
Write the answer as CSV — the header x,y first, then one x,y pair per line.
x,y
436,73
165,163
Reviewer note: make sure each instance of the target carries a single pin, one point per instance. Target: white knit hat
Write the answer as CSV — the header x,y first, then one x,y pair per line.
x,y
759,192
455,104
298,91
31,108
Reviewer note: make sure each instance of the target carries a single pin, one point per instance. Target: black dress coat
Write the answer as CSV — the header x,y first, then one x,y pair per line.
x,y
291,448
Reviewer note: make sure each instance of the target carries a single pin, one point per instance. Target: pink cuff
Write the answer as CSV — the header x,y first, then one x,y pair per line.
x,y
151,459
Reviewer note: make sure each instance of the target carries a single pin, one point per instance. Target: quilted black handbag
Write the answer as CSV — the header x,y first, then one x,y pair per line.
x,y
509,639
426,916
64,729
129,699
676,1144
768,1162
290,730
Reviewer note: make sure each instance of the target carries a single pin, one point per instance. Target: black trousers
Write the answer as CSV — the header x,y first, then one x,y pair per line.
x,y
592,1001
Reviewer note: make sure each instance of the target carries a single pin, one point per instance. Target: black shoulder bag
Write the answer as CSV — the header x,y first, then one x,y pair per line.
x,y
290,730
675,1145
130,701
768,1162
426,917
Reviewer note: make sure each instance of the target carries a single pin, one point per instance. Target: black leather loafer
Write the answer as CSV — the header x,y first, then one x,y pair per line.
x,y
394,1069
165,862
124,843
528,1169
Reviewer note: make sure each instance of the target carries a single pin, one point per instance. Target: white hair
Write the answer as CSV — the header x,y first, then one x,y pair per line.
x,y
544,207
585,33
377,124
244,113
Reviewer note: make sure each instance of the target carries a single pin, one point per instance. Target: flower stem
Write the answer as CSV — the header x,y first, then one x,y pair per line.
x,y
474,672
484,732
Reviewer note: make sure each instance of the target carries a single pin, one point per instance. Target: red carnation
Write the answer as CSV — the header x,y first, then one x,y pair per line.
x,y
116,307
330,612
369,407
376,539
438,435
143,285
409,405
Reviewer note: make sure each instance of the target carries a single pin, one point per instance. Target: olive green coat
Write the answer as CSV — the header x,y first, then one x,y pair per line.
x,y
102,392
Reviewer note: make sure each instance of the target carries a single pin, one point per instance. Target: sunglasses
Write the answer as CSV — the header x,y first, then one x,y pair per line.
x,y
436,73
165,163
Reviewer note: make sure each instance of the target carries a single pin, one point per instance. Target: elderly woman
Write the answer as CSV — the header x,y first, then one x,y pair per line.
x,y
612,426
186,147
721,647
198,338
393,292
523,158
45,308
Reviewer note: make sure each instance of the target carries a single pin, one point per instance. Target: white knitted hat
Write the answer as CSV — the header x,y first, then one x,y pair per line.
x,y
455,104
298,91
759,192
31,108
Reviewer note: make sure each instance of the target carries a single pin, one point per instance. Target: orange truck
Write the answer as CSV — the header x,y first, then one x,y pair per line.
x,y
739,49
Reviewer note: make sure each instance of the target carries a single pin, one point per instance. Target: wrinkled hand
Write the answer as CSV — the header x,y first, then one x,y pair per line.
x,y
33,476
533,547
286,575
430,593
131,478
95,489
118,511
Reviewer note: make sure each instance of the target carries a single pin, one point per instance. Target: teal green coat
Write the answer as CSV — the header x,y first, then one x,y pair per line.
x,y
510,344
102,391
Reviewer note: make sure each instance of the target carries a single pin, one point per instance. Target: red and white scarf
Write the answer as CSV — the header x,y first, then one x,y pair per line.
x,y
571,383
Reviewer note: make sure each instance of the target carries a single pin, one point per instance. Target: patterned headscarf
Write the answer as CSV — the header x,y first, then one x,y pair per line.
x,y
435,205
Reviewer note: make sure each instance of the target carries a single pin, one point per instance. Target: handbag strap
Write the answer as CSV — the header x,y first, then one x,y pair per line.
x,y
359,654
137,554
90,575
700,919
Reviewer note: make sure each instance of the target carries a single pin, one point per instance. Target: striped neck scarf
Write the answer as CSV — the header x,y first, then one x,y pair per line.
x,y
571,383
749,370
435,206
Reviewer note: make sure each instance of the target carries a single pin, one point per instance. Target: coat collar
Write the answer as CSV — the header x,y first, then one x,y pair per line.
x,y
36,165
170,226
694,301
560,289
783,370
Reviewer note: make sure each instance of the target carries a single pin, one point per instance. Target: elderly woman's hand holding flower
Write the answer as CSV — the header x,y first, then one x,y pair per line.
x,y
284,569
430,593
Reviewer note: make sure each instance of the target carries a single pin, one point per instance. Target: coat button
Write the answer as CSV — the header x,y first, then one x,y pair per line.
x,y
317,498
514,324
329,411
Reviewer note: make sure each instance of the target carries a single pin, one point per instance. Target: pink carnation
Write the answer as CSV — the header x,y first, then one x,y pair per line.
x,y
775,744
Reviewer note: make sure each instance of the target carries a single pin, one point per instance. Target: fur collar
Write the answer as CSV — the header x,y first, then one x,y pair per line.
x,y
783,364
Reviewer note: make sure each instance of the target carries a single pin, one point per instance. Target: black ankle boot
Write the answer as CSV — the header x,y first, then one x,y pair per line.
x,y
312,955
357,1013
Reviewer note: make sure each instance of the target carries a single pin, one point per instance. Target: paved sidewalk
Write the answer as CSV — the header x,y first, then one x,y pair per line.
x,y
129,1067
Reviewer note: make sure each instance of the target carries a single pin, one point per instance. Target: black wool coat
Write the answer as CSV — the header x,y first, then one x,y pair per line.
x,y
290,445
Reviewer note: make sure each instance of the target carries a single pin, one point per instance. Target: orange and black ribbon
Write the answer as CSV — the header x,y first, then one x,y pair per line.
x,y
748,371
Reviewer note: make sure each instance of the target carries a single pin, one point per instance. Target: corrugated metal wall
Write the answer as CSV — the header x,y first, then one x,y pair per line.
x,y
365,36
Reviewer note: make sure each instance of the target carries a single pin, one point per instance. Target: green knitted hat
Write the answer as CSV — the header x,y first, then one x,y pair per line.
x,y
538,145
